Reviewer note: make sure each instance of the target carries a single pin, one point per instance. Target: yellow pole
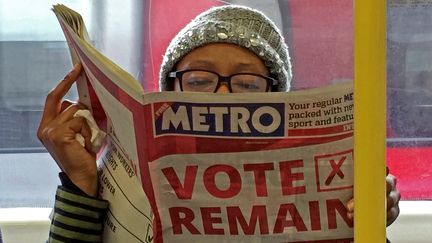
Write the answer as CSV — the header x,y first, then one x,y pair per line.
x,y
369,120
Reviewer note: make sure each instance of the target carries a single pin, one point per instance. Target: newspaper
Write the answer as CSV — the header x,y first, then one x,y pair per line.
x,y
197,167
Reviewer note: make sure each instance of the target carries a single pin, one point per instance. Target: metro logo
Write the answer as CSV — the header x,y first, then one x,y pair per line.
x,y
232,120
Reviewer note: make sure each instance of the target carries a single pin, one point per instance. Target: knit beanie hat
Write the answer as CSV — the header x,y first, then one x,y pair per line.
x,y
234,24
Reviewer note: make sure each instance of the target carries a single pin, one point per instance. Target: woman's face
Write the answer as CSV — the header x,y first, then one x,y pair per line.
x,y
224,59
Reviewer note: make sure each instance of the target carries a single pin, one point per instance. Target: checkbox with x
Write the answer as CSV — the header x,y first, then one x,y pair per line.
x,y
334,171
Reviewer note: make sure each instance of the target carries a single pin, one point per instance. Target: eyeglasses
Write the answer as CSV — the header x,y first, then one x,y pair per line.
x,y
206,81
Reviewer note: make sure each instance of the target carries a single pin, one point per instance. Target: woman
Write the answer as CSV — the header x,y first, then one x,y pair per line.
x,y
225,49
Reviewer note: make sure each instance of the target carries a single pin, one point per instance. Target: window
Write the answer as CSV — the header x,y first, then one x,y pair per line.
x,y
33,58
409,70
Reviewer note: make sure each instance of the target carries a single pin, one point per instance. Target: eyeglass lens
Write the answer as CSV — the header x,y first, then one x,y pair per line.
x,y
202,81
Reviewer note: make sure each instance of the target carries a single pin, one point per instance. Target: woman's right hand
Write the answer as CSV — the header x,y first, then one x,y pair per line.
x,y
57,131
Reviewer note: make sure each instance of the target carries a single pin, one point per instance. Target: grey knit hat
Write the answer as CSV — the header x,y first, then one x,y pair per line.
x,y
239,25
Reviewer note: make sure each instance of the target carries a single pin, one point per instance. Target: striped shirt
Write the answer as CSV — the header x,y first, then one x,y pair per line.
x,y
77,217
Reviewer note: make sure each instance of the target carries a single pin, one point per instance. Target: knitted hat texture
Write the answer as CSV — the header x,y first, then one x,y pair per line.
x,y
234,24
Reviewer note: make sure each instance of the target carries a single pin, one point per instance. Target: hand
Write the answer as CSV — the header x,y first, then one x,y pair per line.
x,y
57,131
393,197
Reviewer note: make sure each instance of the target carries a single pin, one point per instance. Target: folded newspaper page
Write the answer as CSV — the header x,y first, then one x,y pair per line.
x,y
197,167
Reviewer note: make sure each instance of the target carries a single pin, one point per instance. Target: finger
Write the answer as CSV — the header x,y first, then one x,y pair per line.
x,y
65,104
390,183
393,199
86,133
350,205
350,216
52,102
79,125
63,87
68,113
392,215
350,208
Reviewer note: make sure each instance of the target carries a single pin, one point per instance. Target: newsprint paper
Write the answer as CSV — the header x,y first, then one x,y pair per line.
x,y
197,167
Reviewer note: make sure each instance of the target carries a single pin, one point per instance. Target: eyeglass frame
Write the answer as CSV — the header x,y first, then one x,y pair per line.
x,y
271,82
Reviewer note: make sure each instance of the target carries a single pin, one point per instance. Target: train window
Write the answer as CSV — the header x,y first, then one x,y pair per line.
x,y
409,85
33,58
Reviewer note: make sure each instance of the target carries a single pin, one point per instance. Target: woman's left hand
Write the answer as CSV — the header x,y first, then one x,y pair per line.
x,y
393,197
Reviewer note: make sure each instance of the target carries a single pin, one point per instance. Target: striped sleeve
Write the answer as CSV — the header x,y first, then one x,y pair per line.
x,y
76,217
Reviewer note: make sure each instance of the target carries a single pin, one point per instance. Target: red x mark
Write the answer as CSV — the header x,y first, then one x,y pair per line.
x,y
335,170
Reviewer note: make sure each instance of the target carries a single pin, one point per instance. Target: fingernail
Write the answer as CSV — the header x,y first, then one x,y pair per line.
x,y
350,206
76,66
